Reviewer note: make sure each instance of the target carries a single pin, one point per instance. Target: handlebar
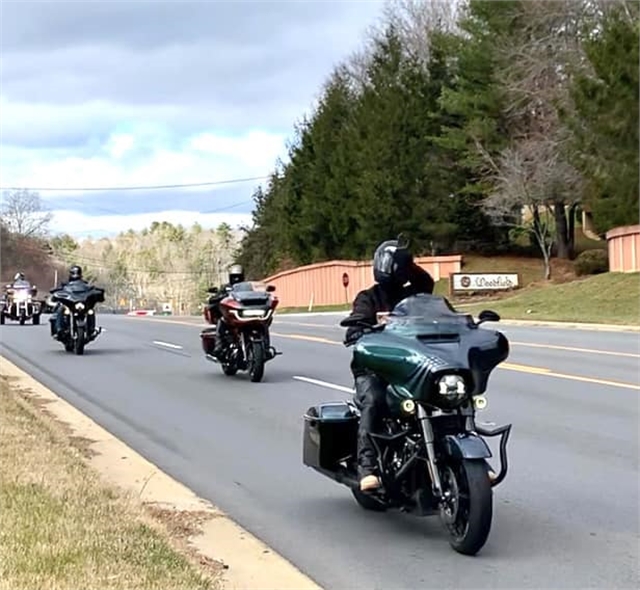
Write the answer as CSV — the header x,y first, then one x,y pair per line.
x,y
365,328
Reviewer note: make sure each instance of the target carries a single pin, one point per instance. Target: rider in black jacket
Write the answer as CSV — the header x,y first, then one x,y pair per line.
x,y
57,319
393,267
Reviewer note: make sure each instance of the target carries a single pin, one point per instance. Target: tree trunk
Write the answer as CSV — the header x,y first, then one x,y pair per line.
x,y
540,234
564,230
547,267
572,230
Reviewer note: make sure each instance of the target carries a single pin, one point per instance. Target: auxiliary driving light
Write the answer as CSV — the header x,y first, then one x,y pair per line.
x,y
480,402
408,406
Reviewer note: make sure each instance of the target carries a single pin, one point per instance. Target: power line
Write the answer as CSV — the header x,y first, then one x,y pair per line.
x,y
116,212
137,188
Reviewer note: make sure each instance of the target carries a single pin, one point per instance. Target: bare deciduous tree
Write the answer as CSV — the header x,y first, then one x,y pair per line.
x,y
537,78
23,213
162,264
530,179
417,20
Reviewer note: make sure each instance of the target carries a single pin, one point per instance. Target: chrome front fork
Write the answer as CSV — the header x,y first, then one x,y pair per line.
x,y
427,433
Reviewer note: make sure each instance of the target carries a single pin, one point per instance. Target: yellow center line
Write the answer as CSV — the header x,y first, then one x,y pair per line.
x,y
524,368
505,366
305,337
634,355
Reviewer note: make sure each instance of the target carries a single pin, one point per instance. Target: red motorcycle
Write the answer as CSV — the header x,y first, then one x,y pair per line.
x,y
247,314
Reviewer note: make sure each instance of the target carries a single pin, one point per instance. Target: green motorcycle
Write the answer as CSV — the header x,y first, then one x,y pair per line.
x,y
432,456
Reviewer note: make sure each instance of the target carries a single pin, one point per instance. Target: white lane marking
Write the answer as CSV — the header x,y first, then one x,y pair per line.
x,y
324,384
167,344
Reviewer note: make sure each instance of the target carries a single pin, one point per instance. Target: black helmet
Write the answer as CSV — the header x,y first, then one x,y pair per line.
x,y
236,274
391,263
75,273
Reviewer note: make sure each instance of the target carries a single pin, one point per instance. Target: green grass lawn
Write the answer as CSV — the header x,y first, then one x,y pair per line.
x,y
610,298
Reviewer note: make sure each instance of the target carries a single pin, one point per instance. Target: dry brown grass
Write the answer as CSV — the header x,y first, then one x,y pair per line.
x,y
62,528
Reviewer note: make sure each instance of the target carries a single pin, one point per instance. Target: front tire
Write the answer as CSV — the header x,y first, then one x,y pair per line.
x,y
256,362
78,344
36,320
468,513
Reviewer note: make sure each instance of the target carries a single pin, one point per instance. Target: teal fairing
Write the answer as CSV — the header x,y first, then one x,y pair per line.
x,y
425,345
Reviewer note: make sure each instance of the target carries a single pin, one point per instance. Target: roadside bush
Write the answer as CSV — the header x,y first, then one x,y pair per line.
x,y
592,262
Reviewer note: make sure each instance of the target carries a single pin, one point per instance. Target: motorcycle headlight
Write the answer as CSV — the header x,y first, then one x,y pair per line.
x,y
253,313
79,305
452,386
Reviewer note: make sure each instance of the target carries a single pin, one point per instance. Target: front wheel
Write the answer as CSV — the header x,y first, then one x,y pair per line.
x,y
468,509
36,319
256,362
78,345
22,319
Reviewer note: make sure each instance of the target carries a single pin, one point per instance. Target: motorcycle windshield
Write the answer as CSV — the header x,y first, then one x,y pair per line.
x,y
242,287
79,291
425,334
427,314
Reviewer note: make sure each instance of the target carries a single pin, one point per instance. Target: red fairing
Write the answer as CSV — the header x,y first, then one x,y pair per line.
x,y
231,303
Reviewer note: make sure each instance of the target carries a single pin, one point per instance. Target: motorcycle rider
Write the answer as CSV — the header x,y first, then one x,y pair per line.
x,y
20,281
236,275
57,317
393,267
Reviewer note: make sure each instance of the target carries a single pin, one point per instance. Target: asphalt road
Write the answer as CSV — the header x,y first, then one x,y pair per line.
x,y
566,516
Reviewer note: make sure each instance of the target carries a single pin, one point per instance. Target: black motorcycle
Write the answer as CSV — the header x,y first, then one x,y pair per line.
x,y
432,458
77,303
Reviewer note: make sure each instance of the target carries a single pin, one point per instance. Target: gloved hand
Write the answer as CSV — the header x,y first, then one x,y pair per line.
x,y
352,336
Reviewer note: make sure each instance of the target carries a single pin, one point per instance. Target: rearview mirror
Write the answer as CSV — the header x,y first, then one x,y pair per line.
x,y
487,316
271,288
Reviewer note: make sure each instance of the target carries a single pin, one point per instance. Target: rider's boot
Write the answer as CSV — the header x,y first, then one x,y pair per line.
x,y
219,345
369,483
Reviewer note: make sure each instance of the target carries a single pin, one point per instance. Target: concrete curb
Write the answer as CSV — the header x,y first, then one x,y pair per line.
x,y
571,325
252,565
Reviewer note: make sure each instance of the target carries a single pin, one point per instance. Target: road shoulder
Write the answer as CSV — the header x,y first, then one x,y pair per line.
x,y
248,563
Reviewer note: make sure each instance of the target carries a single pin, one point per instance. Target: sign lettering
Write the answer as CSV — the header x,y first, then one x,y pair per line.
x,y
469,282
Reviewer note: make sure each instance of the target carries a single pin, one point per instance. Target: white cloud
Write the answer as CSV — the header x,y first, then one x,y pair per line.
x,y
119,144
83,226
134,159
103,94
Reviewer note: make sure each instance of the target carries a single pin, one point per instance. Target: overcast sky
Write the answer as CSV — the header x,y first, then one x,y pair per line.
x,y
110,93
